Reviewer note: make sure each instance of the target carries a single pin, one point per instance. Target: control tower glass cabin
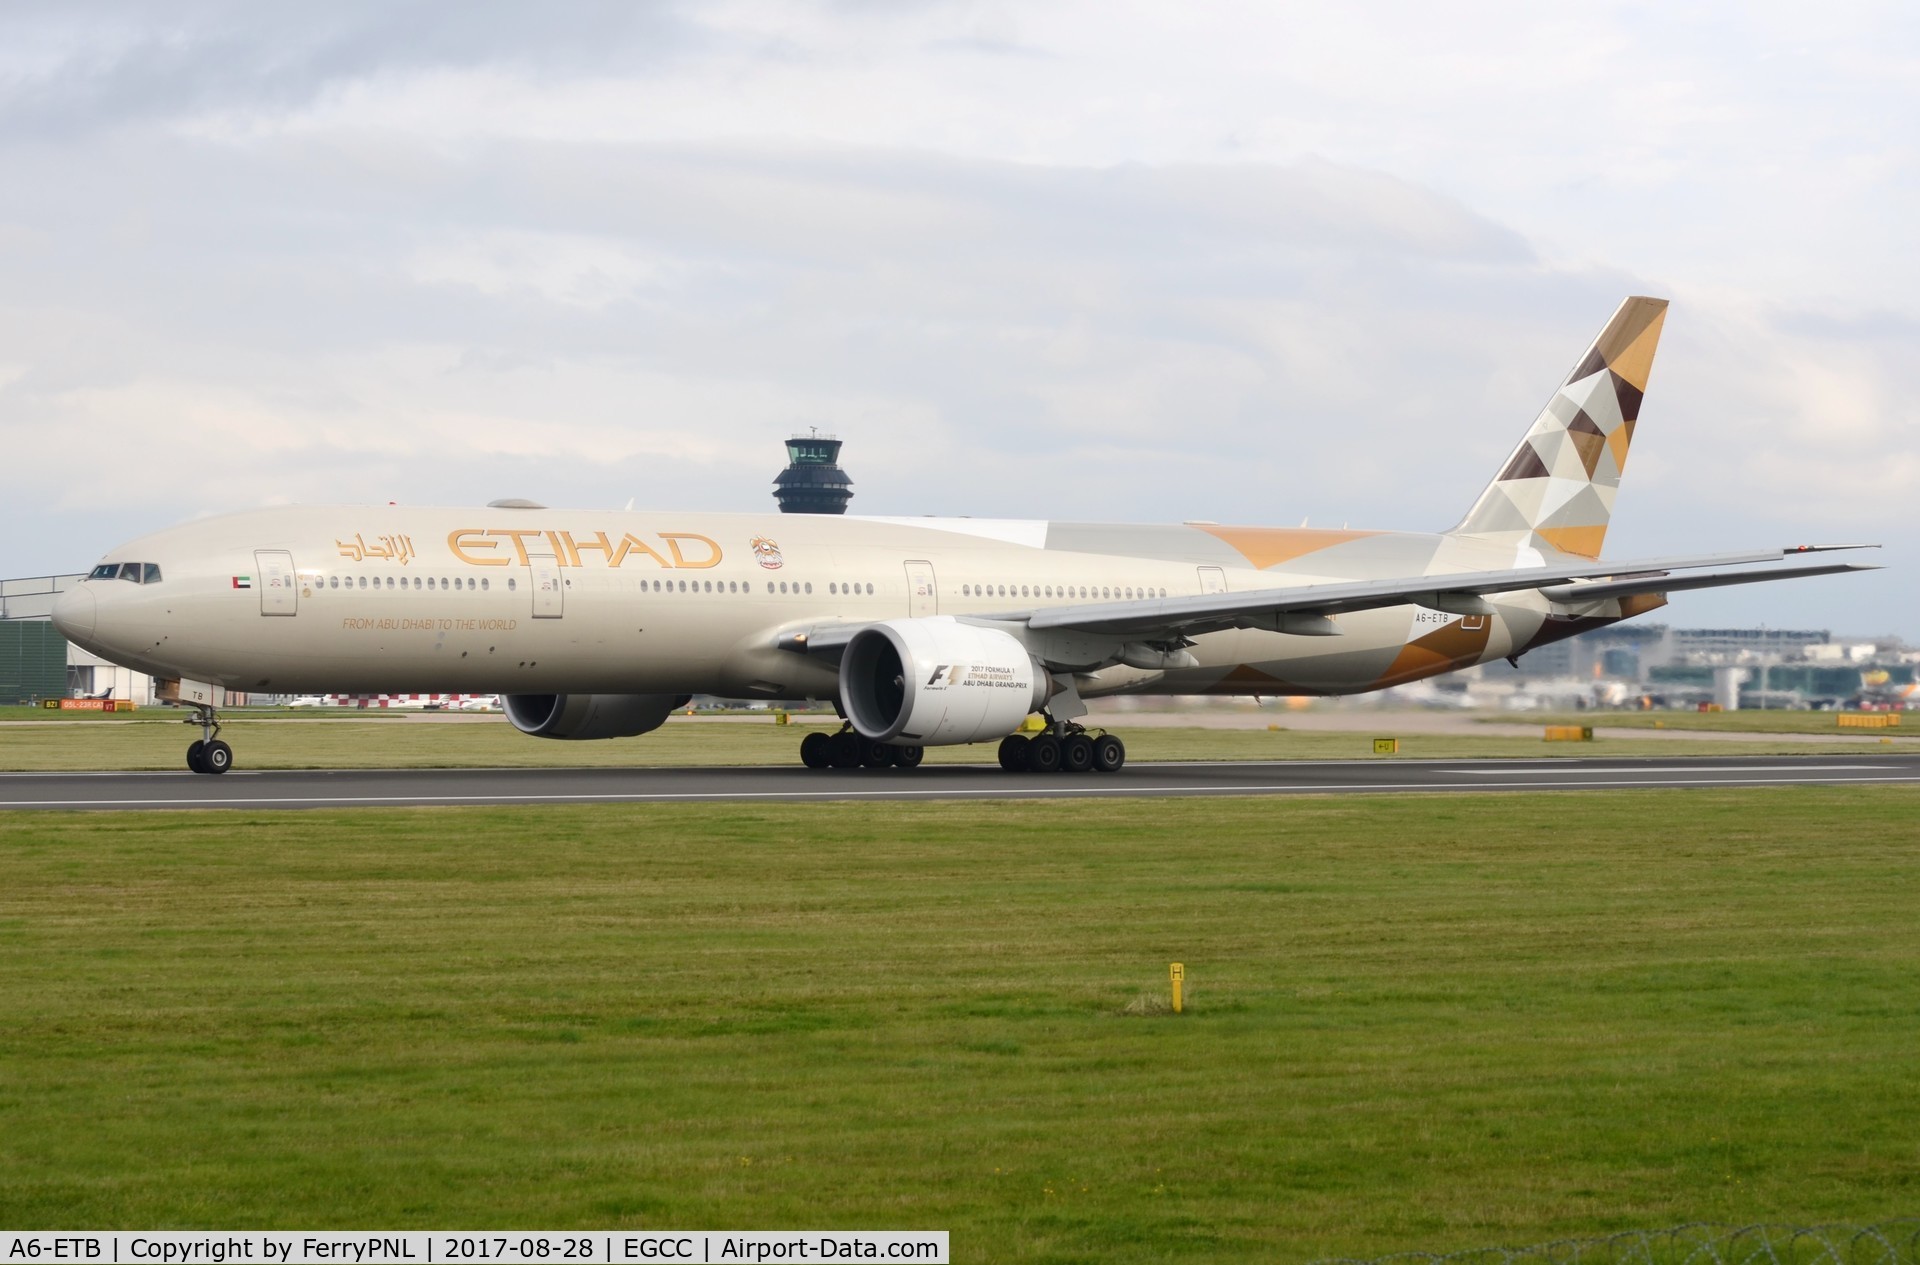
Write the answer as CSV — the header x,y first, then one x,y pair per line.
x,y
813,482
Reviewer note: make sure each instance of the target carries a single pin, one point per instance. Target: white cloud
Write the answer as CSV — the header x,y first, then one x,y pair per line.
x,y
1101,261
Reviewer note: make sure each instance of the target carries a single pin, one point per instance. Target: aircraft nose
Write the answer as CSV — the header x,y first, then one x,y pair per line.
x,y
74,613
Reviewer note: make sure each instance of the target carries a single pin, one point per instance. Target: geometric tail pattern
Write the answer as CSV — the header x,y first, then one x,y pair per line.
x,y
1556,491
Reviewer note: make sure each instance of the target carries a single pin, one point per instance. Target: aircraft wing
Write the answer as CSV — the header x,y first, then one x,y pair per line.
x,y
1155,618
1601,590
1305,608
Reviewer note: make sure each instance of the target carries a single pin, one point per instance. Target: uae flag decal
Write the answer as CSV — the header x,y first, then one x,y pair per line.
x,y
242,581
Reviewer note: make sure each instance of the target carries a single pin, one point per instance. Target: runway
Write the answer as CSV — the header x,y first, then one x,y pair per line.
x,y
354,788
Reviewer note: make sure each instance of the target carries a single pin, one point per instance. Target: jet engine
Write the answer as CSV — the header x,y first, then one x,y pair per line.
x,y
937,682
581,716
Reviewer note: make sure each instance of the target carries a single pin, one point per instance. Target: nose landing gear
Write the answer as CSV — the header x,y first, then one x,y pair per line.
x,y
208,754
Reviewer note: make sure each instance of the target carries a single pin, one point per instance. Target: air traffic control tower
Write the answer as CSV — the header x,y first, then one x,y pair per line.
x,y
813,482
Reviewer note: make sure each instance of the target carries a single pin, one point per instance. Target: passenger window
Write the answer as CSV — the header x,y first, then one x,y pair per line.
x,y
809,586
333,581
512,584
483,584
869,590
363,581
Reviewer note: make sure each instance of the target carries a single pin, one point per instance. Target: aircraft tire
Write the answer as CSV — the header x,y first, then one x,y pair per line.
x,y
875,755
1109,754
816,751
1043,754
1076,754
1013,753
195,752
909,757
844,749
218,757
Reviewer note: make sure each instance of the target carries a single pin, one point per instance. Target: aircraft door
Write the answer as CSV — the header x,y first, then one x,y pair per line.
x,y
277,593
923,598
1213,580
549,591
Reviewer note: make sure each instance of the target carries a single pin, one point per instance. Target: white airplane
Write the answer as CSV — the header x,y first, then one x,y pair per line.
x,y
923,631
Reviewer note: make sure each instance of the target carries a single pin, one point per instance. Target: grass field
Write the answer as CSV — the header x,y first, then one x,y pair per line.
x,y
1417,1023
154,740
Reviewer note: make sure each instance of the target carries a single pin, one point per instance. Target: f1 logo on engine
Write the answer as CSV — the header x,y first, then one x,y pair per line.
x,y
947,674
938,673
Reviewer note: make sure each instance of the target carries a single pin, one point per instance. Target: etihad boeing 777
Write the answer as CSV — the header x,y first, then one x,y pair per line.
x,y
922,631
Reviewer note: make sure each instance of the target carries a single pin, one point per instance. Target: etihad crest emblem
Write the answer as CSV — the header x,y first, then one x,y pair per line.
x,y
767,552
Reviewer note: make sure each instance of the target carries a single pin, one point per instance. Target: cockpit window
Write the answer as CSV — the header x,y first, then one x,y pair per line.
x,y
138,572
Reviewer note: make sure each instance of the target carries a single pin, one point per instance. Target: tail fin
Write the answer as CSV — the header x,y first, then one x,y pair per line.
x,y
1556,491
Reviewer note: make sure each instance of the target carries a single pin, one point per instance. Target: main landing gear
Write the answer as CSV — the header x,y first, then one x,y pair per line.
x,y
208,754
1063,747
849,750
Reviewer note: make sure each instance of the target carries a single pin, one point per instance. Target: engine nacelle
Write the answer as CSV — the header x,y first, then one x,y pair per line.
x,y
582,716
937,682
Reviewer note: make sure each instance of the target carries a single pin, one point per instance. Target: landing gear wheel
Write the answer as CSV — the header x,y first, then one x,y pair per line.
x,y
1076,754
816,751
1043,754
875,755
909,757
208,754
1109,753
1013,753
844,749
217,757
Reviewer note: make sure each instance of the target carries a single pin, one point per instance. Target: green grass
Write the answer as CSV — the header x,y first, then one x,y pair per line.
x,y
156,740
1418,1023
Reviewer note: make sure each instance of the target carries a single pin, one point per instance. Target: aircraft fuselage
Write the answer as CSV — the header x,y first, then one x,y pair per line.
x,y
511,601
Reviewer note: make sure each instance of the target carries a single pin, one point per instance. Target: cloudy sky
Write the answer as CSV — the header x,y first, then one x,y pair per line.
x,y
1250,262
